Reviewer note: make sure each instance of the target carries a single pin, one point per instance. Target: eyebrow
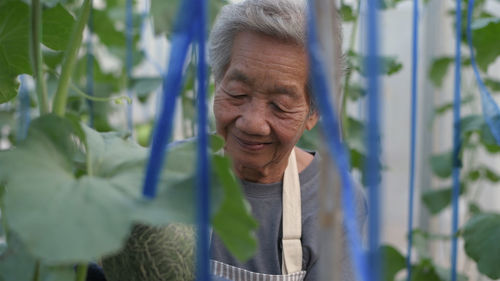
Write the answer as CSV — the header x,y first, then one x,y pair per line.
x,y
285,90
238,75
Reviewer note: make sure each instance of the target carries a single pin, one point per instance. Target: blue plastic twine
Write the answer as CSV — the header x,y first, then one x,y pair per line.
x,y
373,141
414,105
203,165
330,126
491,112
129,62
456,141
90,66
180,41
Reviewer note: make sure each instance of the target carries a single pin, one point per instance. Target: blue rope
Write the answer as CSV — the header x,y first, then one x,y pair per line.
x,y
330,126
491,112
90,66
203,164
129,61
24,109
456,141
373,141
180,41
414,105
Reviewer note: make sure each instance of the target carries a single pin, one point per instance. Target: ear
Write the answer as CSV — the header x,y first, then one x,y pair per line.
x,y
312,119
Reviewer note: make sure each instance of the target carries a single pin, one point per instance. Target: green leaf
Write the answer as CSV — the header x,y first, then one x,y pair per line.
x,y
8,86
394,261
14,47
449,106
425,270
491,175
347,13
16,263
57,26
52,58
488,140
106,29
471,124
355,135
144,86
91,214
438,70
389,4
233,221
14,38
493,84
389,65
481,234
442,164
309,139
437,199
355,91
486,41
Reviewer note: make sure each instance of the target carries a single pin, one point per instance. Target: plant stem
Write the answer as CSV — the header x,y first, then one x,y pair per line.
x,y
70,57
81,272
36,56
36,274
352,41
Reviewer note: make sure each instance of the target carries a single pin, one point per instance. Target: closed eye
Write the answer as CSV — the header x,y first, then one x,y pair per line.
x,y
278,108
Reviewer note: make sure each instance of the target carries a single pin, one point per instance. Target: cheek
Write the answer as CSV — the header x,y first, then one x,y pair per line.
x,y
289,129
224,115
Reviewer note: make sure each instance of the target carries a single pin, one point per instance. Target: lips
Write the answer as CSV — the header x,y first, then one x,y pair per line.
x,y
252,145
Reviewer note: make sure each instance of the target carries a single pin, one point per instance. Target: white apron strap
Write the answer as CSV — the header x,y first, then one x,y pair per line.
x,y
292,221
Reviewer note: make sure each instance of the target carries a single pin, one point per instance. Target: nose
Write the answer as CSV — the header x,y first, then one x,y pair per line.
x,y
253,119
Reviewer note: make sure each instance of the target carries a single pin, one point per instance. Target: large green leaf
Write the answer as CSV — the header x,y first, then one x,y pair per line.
x,y
57,27
481,243
233,222
15,263
14,47
394,261
486,41
84,192
69,219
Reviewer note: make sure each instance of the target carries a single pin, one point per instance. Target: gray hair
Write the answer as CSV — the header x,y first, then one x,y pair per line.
x,y
281,19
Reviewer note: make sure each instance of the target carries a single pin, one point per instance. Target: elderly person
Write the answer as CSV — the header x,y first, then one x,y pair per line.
x,y
262,107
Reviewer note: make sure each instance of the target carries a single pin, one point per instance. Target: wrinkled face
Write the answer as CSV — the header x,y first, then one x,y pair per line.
x,y
261,107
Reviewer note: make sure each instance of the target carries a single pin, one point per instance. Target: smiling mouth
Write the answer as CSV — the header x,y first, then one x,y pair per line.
x,y
251,145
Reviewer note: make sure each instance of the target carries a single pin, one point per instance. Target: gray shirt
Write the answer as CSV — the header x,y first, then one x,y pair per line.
x,y
266,203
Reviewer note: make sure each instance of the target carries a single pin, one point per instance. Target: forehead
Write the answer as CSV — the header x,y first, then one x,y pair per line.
x,y
258,58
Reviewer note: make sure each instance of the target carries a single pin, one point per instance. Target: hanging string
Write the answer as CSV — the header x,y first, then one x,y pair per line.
x,y
90,66
24,109
180,41
491,111
456,141
414,105
129,62
330,125
373,141
202,167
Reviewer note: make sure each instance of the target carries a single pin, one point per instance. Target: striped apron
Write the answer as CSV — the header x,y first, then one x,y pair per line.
x,y
291,263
